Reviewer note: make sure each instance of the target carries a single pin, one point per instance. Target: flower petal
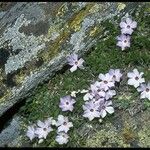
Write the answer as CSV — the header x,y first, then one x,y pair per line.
x,y
110,109
123,24
74,68
134,24
103,113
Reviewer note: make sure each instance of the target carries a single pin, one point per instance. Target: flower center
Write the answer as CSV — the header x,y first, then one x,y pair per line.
x,y
147,89
44,129
105,82
114,76
67,103
98,90
91,110
125,41
136,78
65,123
103,107
90,91
76,62
128,26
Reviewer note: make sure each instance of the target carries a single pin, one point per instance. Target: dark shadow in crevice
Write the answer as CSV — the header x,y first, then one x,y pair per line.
x,y
7,116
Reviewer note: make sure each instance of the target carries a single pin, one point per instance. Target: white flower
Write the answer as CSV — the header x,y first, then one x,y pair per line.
x,y
105,106
74,62
90,110
145,91
66,103
127,26
62,138
31,132
123,41
135,78
110,94
97,100
43,129
63,124
116,75
94,93
107,81
91,92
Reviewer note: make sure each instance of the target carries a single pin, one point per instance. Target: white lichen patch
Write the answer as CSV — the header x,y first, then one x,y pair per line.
x,y
76,40
32,78
29,45
87,23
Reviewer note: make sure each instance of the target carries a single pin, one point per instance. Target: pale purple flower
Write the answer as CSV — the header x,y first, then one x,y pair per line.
x,y
123,41
75,62
135,78
63,124
97,100
104,107
107,81
31,132
91,93
91,110
100,90
127,26
110,94
116,75
66,103
94,93
62,138
145,90
43,129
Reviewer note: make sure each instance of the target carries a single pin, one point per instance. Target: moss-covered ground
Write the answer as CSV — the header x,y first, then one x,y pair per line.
x,y
102,57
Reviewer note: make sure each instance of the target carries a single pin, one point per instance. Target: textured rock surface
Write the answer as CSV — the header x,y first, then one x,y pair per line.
x,y
10,133
35,39
122,131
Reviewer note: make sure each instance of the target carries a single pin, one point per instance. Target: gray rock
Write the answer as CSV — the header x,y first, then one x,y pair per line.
x,y
10,133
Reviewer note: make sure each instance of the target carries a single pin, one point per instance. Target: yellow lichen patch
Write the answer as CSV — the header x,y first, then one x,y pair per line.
x,y
121,6
53,49
106,138
128,134
96,8
144,132
7,94
75,22
61,10
93,31
19,78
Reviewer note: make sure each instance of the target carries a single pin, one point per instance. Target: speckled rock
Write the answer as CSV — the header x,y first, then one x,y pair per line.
x,y
36,37
123,130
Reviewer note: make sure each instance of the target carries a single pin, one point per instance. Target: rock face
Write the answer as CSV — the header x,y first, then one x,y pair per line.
x,y
35,39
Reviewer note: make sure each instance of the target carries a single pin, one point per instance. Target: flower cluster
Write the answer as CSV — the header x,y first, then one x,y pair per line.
x,y
136,80
127,27
42,129
63,125
98,98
